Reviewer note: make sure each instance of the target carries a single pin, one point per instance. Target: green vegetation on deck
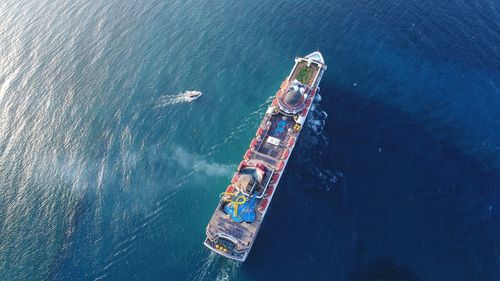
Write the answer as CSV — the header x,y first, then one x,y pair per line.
x,y
305,75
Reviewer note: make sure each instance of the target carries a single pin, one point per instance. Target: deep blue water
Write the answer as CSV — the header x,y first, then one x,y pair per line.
x,y
106,173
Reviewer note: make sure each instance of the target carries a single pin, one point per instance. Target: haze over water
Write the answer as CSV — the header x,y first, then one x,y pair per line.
x,y
108,173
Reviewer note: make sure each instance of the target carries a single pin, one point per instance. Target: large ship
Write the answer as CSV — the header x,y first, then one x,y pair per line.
x,y
236,221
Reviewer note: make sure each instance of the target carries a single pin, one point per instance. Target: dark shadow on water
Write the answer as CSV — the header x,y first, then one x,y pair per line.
x,y
383,270
408,203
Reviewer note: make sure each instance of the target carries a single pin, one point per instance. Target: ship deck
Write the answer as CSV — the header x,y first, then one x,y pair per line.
x,y
277,135
244,232
274,127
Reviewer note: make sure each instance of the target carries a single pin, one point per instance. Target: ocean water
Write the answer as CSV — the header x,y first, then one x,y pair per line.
x,y
107,172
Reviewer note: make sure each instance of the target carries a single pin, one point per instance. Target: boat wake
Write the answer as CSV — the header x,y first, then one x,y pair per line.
x,y
318,121
314,136
204,271
223,269
329,179
184,97
315,123
228,271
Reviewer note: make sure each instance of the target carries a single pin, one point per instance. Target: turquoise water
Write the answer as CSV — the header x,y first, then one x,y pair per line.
x,y
108,173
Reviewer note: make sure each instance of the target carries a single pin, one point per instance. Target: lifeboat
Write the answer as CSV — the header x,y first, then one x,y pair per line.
x,y
291,142
313,93
308,102
230,188
285,154
263,205
269,191
284,84
248,154
304,112
260,131
253,143
275,177
275,102
235,178
281,165
241,165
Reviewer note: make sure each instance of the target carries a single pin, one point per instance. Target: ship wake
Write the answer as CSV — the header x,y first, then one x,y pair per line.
x,y
214,265
314,136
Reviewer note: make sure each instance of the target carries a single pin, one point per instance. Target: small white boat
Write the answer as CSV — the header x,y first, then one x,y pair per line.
x,y
192,95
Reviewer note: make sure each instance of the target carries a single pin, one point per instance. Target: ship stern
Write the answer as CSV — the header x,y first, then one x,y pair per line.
x,y
225,248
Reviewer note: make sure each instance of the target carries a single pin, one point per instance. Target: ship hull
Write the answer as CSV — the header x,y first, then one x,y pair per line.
x,y
240,212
